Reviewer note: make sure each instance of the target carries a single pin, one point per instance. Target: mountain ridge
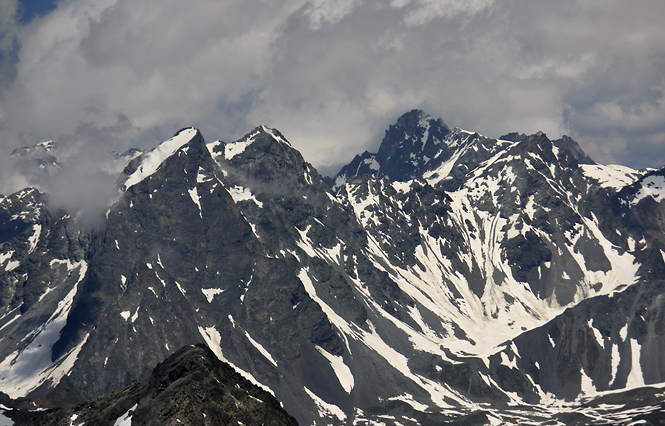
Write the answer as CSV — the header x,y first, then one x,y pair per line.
x,y
380,299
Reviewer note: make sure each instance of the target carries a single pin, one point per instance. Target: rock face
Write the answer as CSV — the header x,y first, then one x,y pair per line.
x,y
410,146
445,274
192,387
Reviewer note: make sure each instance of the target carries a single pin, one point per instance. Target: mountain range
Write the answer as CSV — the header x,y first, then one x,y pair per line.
x,y
449,277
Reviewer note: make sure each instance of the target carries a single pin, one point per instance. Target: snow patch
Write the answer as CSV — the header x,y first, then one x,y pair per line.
x,y
211,148
596,333
510,363
652,186
34,238
126,419
194,195
275,135
342,371
616,358
635,378
5,256
239,193
408,398
325,409
235,148
611,176
11,320
586,384
210,293
261,349
160,278
11,265
202,176
136,314
624,332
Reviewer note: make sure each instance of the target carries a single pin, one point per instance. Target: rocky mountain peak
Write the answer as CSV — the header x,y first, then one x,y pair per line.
x,y
410,147
416,119
147,164
513,137
569,144
261,139
265,156
536,143
566,142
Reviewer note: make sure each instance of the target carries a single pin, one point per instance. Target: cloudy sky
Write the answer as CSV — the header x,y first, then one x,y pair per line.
x,y
333,74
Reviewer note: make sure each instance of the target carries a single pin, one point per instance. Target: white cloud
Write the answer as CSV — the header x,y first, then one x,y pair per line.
x,y
332,75
322,12
422,12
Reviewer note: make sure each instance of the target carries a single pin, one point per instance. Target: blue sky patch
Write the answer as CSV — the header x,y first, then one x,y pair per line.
x,y
29,9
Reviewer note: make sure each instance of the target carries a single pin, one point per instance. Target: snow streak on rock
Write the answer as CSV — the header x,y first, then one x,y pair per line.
x,y
151,161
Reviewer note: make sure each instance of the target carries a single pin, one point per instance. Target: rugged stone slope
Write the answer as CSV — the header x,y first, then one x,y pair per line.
x,y
191,387
441,278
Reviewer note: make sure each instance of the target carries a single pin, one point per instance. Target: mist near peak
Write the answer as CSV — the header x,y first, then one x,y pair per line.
x,y
79,172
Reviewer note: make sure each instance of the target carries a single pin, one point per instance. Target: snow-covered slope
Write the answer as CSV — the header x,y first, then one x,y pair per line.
x,y
612,176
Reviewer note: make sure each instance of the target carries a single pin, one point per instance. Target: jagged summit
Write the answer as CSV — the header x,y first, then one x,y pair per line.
x,y
569,144
566,142
410,146
417,145
260,140
262,135
264,157
146,164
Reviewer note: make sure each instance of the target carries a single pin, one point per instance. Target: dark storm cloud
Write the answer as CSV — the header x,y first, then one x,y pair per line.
x,y
332,75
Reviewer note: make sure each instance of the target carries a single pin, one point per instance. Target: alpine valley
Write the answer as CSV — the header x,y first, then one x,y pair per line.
x,y
448,278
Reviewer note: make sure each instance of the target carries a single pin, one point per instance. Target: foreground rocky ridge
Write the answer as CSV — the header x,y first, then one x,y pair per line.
x,y
191,387
449,275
